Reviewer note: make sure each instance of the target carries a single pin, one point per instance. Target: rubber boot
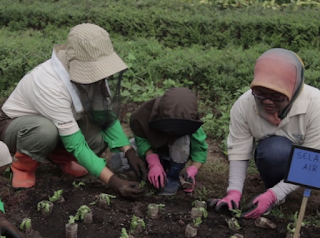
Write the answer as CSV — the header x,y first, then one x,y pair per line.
x,y
23,170
173,182
67,162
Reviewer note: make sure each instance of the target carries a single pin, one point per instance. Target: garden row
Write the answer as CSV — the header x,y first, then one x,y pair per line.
x,y
173,23
220,71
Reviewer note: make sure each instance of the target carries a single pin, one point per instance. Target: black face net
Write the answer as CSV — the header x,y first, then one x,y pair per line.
x,y
101,100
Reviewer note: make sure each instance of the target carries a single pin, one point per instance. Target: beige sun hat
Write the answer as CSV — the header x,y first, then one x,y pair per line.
x,y
5,156
89,54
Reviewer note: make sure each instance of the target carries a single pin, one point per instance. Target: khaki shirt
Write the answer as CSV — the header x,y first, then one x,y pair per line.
x,y
301,125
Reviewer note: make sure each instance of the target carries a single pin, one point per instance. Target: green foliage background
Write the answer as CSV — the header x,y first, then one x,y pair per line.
x,y
209,46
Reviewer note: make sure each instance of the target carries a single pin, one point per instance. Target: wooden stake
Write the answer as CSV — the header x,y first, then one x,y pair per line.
x,y
300,217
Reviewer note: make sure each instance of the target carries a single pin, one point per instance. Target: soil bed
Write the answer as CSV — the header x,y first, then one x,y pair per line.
x,y
171,222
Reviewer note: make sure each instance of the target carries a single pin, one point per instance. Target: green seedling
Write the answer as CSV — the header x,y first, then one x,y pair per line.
x,y
291,227
25,224
56,196
233,224
124,233
77,185
142,184
135,222
197,221
204,211
44,205
199,203
72,219
202,194
104,197
82,211
236,212
107,197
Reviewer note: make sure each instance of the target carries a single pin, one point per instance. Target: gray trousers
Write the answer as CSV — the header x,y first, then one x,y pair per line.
x,y
178,152
37,136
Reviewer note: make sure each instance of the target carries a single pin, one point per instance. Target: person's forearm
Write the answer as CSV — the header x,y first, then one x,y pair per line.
x,y
125,148
237,174
105,175
196,164
282,189
148,152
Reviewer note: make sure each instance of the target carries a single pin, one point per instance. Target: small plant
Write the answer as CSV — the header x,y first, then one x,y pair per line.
x,y
199,203
192,229
236,212
124,233
150,192
26,225
291,227
202,194
82,212
103,200
77,185
233,224
137,225
142,184
199,212
72,219
197,221
45,207
71,227
57,196
153,210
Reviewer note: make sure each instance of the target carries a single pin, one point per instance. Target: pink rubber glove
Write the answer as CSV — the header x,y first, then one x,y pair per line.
x,y
232,201
156,174
189,176
260,205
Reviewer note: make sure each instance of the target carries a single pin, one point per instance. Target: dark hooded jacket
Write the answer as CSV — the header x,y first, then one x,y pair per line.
x,y
160,121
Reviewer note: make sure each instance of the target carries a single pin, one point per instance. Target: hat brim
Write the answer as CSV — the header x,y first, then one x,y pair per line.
x,y
176,126
91,72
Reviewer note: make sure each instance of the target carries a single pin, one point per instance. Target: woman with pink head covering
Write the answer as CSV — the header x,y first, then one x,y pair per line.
x,y
276,112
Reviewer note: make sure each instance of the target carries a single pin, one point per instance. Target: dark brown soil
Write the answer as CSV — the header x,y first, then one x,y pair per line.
x,y
108,222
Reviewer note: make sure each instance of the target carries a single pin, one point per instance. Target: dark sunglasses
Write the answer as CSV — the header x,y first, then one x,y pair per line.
x,y
263,96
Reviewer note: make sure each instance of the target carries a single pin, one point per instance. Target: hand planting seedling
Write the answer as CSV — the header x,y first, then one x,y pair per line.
x,y
137,225
192,228
153,210
77,185
45,207
26,225
57,196
198,212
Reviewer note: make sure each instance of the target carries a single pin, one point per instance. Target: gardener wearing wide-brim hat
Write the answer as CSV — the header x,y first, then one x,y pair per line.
x,y
168,134
66,109
7,229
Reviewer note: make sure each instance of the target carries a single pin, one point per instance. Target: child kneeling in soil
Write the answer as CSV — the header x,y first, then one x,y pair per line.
x,y
167,133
